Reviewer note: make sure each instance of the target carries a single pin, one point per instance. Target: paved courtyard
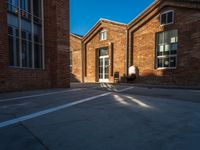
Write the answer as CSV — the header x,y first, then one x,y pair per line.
x,y
101,117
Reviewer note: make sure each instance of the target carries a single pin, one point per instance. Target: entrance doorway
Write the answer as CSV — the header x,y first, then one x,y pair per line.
x,y
103,65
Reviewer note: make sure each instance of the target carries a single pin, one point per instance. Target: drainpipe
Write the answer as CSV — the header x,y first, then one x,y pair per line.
x,y
126,53
82,61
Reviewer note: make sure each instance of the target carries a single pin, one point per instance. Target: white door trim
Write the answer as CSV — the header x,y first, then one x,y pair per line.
x,y
104,80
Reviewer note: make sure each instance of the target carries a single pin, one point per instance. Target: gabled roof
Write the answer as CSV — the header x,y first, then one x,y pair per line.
x,y
158,4
99,22
77,36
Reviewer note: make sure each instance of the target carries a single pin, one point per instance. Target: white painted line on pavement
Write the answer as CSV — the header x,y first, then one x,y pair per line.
x,y
126,89
47,111
39,95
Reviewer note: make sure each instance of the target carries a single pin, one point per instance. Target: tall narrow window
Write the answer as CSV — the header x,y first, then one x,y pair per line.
x,y
167,17
25,33
166,48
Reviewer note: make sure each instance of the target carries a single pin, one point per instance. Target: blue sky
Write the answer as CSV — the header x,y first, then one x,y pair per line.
x,y
85,13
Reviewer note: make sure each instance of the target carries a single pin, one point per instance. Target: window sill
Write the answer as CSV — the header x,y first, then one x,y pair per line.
x,y
26,68
103,40
162,25
166,68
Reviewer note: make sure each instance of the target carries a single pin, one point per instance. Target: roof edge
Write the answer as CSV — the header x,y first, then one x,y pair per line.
x,y
77,36
151,7
98,23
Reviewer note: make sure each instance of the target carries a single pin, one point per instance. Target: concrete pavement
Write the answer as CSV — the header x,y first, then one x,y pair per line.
x,y
126,118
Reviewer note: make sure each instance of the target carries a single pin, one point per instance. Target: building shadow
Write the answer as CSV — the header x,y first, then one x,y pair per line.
x,y
74,78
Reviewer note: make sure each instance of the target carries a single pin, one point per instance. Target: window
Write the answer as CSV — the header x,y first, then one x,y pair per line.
x,y
25,33
166,49
167,17
103,35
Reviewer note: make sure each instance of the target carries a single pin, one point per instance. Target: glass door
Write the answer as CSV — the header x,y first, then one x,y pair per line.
x,y
104,68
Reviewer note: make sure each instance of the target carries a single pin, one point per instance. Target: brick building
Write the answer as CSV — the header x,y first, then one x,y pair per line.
x,y
76,57
104,48
164,43
34,44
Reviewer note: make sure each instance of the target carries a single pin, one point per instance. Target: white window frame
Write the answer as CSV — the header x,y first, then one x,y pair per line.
x,y
166,12
103,35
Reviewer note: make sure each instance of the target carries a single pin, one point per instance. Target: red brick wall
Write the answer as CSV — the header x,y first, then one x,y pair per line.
x,y
142,45
56,73
76,50
116,42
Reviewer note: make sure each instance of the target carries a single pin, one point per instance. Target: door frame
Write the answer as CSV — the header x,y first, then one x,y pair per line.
x,y
104,80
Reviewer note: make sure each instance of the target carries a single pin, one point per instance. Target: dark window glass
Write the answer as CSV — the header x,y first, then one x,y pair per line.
x,y
167,18
163,19
17,52
29,42
170,17
10,30
11,50
37,8
160,64
38,55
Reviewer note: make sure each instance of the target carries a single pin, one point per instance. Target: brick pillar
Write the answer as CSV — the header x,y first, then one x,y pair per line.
x,y
4,53
56,22
111,54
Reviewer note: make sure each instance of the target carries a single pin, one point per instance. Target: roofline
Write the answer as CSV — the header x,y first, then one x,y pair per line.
x,y
98,23
148,10
143,13
111,21
79,37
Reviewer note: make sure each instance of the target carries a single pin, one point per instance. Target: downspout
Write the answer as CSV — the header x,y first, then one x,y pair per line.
x,y
127,53
82,61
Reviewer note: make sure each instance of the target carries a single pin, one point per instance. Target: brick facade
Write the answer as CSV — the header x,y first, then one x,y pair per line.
x,y
56,35
115,44
135,44
76,60
142,49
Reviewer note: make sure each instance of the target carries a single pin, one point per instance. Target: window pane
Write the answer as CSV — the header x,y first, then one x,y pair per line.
x,y
173,62
160,38
30,62
103,35
17,51
103,52
37,8
38,55
24,50
38,33
10,30
26,5
173,48
169,17
11,50
166,62
160,63
163,18
12,6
